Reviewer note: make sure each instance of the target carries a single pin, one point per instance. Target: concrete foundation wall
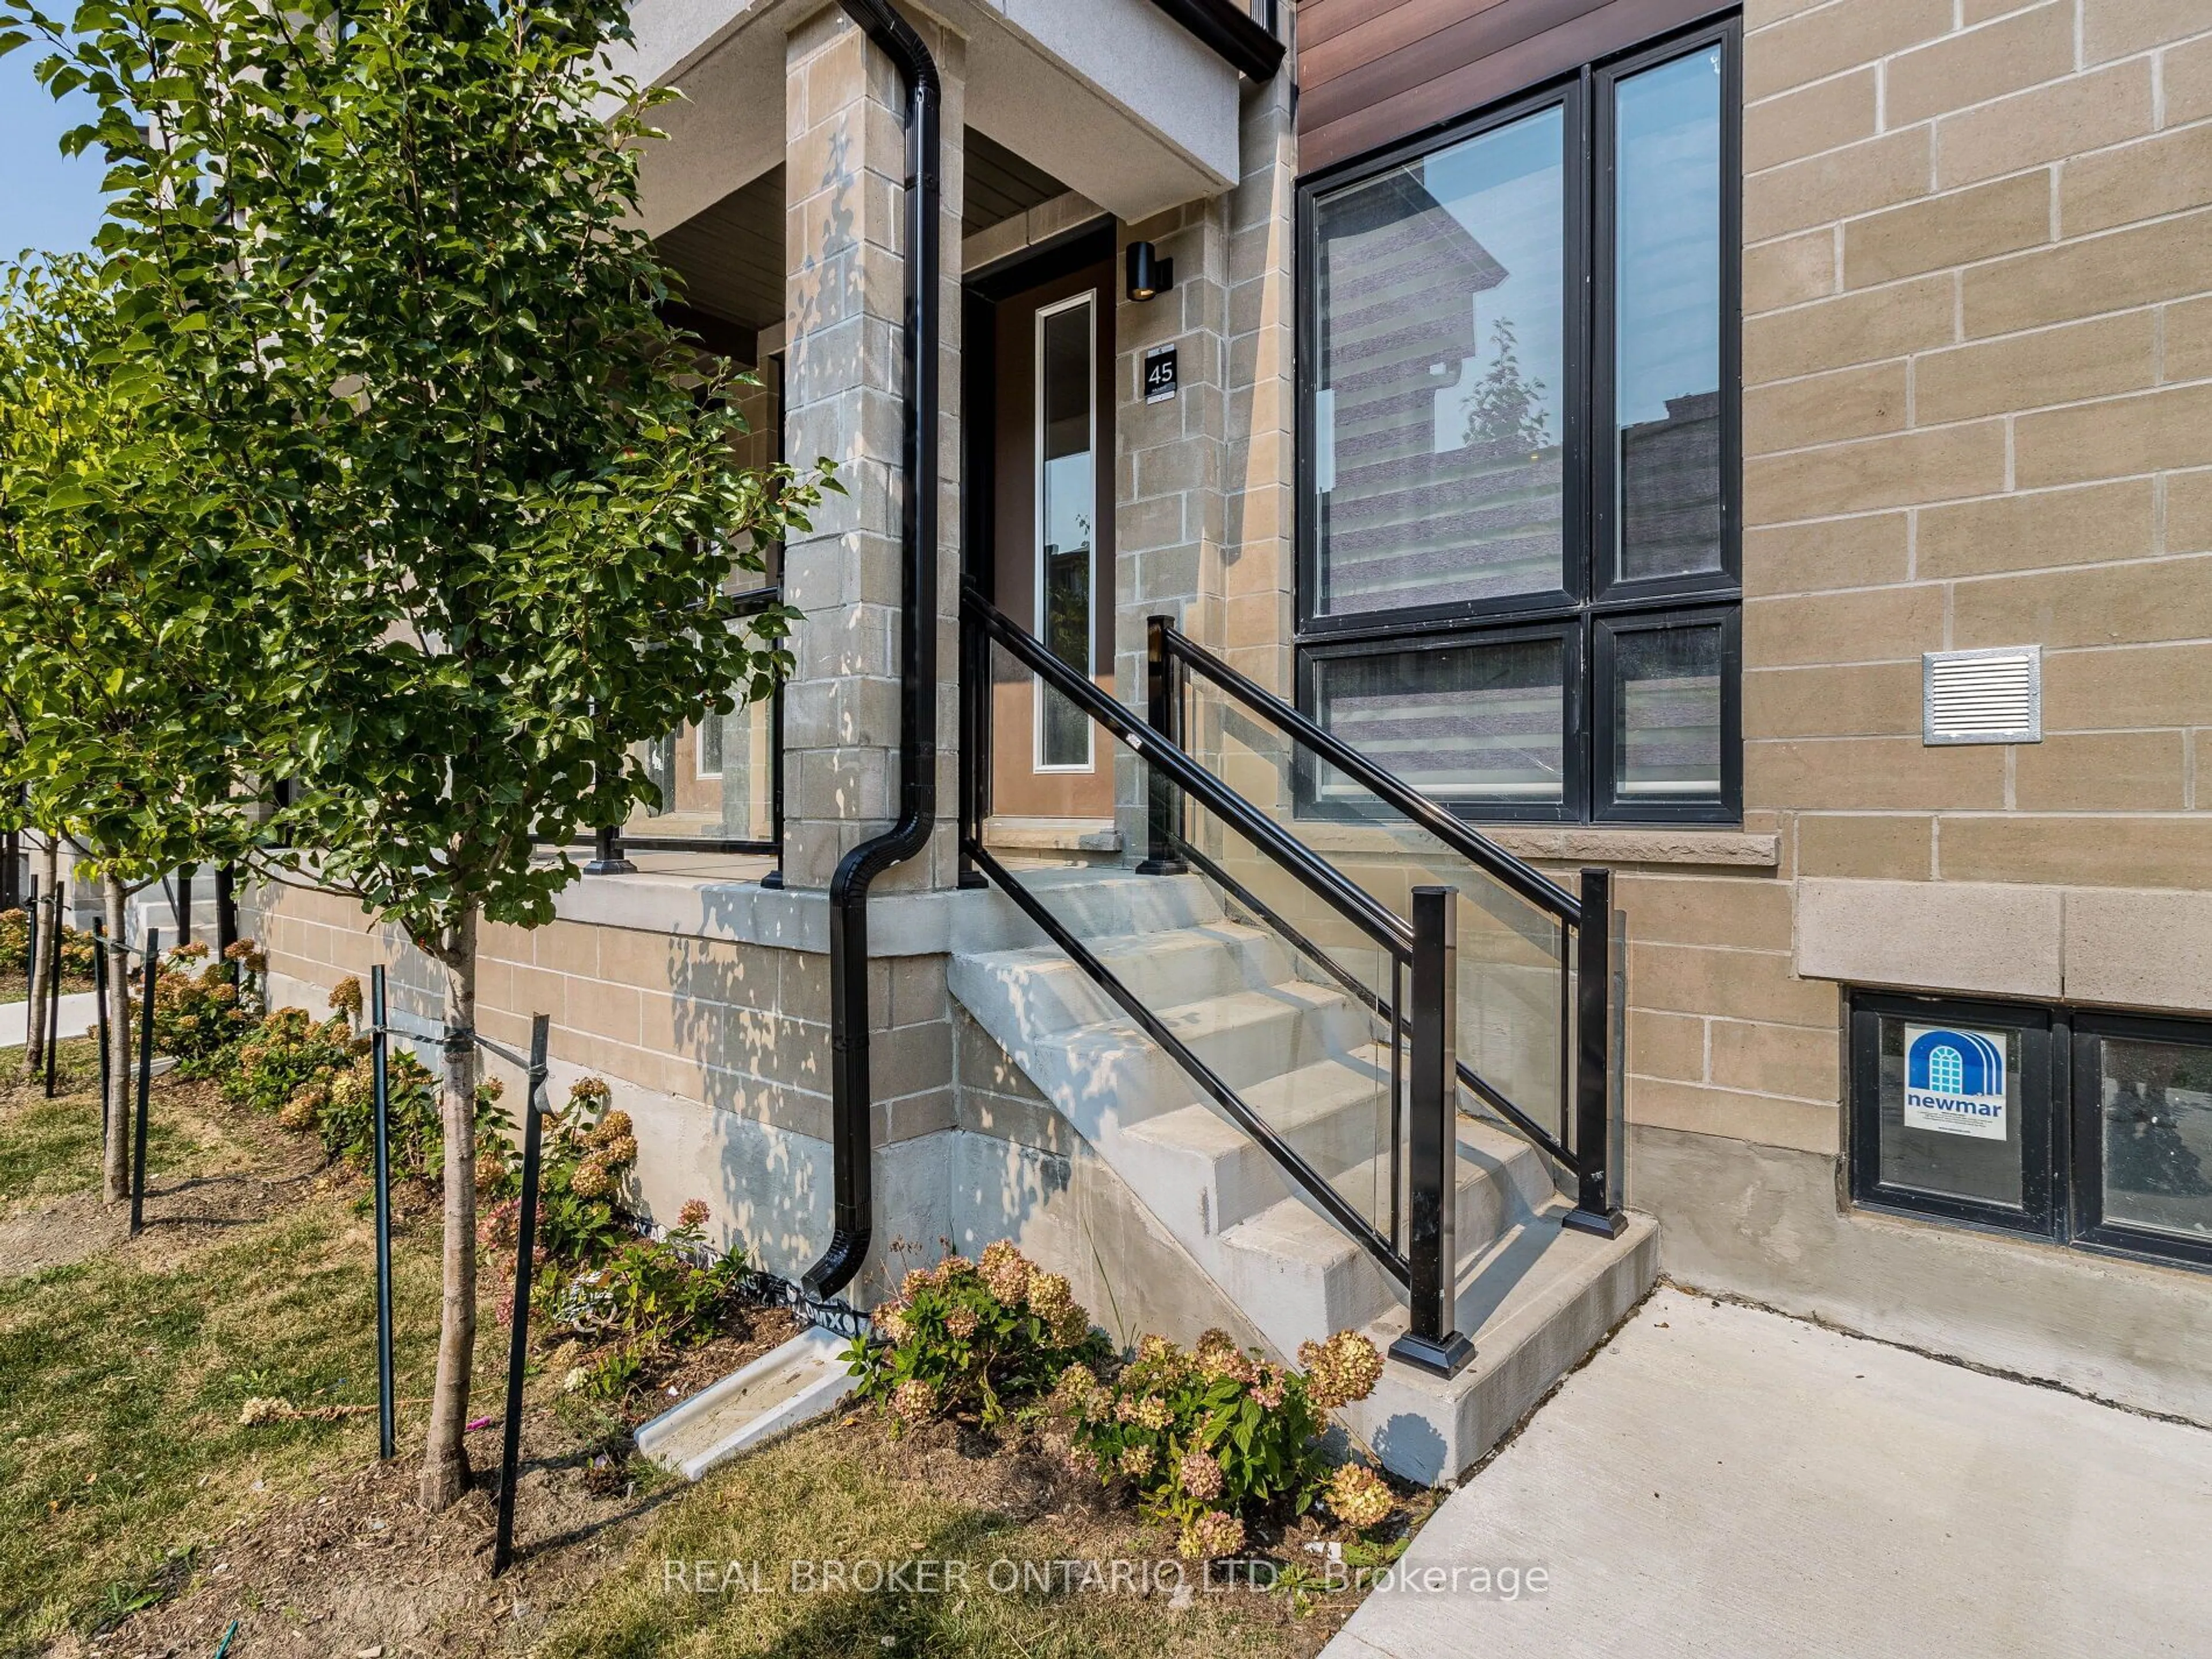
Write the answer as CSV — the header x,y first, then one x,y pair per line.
x,y
730,1106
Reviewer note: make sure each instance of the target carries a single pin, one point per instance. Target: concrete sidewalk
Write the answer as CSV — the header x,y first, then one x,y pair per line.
x,y
1731,1484
79,1013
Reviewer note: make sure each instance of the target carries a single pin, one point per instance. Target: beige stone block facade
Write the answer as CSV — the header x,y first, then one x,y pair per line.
x,y
2037,300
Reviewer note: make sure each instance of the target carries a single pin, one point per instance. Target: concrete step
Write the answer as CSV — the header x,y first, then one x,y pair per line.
x,y
1334,1112
1313,1277
1091,903
1246,1037
1164,969
1535,1304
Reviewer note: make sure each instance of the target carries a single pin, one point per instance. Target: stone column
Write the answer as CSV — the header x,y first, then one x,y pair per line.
x,y
1203,485
845,165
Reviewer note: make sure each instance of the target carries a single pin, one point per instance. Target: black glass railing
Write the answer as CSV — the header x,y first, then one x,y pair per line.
x,y
720,781
1535,964
1341,1068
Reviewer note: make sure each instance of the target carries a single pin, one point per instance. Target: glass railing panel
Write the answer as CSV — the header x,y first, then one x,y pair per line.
x,y
716,774
1515,964
1284,1000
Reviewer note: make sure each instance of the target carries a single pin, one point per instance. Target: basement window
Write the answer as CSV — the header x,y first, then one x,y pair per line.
x,y
2086,1128
1518,579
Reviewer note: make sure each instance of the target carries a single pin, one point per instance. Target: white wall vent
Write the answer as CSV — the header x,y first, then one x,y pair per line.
x,y
1984,697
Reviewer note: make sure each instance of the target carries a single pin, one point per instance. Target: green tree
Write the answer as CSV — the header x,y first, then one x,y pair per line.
x,y
137,686
400,238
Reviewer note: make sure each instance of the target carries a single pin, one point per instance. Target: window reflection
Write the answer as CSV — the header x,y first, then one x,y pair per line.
x,y
2156,1106
1443,365
1667,711
1067,495
1473,724
1667,318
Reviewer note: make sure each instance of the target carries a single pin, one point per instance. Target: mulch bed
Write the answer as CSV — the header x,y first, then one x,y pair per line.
x,y
13,987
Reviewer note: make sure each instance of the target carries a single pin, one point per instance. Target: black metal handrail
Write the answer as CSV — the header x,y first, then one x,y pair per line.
x,y
1172,655
1283,849
1422,1150
1223,1094
1524,879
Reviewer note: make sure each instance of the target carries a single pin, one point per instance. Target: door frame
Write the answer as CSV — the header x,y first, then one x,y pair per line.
x,y
983,291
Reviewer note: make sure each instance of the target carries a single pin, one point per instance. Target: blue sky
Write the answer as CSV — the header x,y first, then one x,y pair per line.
x,y
46,202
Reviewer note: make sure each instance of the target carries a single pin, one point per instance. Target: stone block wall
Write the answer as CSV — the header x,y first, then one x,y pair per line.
x,y
718,1046
1977,411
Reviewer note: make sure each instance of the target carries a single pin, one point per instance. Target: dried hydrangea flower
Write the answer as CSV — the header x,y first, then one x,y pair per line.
x,y
1214,1533
1344,1368
590,1180
915,1402
1201,1475
1137,1461
1357,1497
1006,1272
694,1213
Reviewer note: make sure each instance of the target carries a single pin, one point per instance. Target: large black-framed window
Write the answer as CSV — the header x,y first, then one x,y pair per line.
x,y
2076,1126
1519,564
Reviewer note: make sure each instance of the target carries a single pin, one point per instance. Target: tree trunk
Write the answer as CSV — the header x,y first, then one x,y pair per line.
x,y
116,1165
445,1458
49,917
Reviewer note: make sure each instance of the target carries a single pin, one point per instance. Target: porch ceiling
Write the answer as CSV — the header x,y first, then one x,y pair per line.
x,y
729,253
1110,98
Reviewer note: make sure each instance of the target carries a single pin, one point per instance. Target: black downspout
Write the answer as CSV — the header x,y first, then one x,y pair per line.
x,y
849,1089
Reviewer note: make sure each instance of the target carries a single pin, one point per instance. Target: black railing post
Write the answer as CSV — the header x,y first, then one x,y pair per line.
x,y
99,996
974,727
31,1009
1164,713
607,857
145,1082
518,1346
57,934
187,874
226,910
1597,1207
1432,1340
774,878
380,1108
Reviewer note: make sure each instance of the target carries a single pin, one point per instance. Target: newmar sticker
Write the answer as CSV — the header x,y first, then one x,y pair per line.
x,y
1954,1081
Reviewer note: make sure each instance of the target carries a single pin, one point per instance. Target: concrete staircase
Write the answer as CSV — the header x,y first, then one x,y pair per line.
x,y
1303,1055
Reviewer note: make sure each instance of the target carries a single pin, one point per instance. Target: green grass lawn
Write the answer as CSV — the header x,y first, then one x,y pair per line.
x,y
122,1376
125,1468
987,1573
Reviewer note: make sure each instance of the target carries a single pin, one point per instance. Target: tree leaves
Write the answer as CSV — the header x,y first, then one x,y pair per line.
x,y
477,514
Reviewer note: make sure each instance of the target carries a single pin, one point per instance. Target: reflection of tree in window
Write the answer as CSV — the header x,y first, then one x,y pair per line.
x,y
1443,479
1506,407
2147,1100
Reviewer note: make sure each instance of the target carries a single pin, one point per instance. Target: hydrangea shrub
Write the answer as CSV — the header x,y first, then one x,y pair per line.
x,y
972,1336
1212,1437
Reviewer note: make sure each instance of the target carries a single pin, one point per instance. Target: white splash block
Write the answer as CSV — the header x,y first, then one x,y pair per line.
x,y
784,1388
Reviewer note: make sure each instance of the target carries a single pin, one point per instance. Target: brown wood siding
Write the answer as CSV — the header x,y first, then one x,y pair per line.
x,y
1370,71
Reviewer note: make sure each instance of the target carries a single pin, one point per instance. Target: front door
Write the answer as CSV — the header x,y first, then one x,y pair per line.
x,y
1052,537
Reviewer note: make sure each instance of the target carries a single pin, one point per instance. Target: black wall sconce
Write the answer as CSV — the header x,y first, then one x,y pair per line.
x,y
1149,273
